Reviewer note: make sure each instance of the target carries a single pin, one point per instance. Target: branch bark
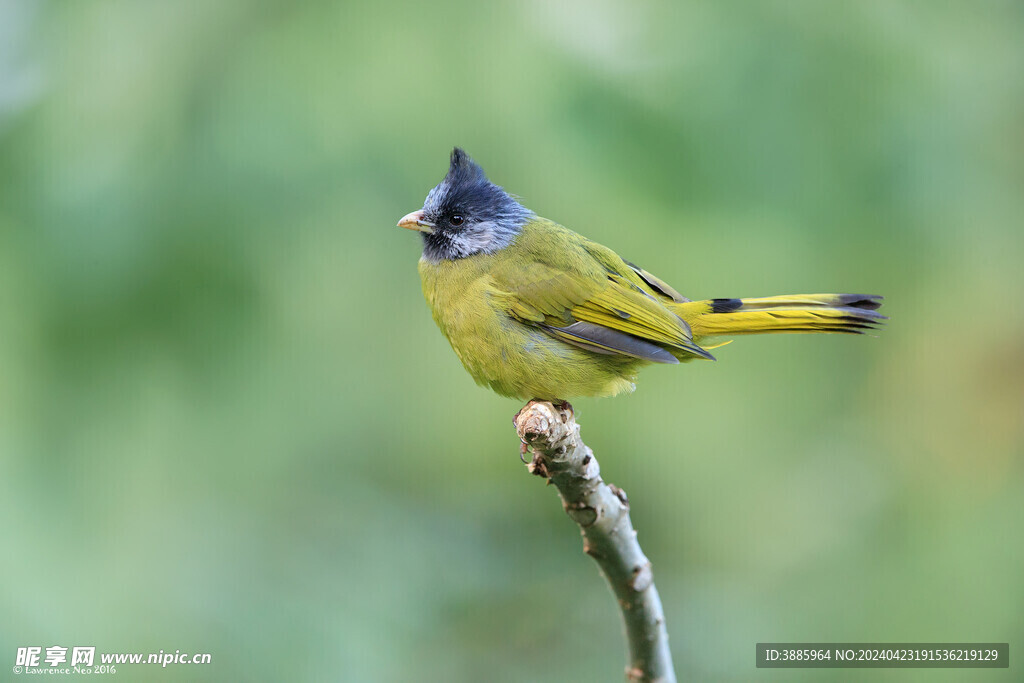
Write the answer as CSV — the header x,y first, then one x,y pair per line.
x,y
602,512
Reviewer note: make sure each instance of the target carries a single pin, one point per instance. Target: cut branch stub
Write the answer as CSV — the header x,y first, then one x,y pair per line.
x,y
602,513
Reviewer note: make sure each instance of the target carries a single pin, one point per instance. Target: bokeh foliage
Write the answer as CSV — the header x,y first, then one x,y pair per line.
x,y
228,424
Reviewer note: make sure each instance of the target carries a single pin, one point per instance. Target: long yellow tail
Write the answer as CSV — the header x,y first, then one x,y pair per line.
x,y
850,313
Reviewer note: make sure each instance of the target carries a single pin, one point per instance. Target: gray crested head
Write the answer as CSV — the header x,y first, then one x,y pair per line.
x,y
469,214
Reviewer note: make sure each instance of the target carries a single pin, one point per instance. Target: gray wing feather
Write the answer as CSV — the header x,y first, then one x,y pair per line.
x,y
604,340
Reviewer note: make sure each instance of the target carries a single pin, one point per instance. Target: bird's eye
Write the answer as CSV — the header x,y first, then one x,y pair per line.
x,y
456,220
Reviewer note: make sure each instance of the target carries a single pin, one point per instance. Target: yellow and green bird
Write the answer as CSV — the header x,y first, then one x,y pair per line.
x,y
535,310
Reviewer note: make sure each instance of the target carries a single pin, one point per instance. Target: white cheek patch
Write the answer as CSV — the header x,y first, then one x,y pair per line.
x,y
486,237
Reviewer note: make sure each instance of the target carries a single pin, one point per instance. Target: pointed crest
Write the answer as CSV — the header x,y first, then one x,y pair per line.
x,y
462,169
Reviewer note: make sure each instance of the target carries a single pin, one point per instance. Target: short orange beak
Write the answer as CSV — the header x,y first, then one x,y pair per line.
x,y
416,221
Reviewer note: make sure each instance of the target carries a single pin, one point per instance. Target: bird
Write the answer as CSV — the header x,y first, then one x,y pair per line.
x,y
535,310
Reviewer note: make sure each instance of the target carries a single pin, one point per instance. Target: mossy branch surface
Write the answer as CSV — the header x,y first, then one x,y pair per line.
x,y
602,513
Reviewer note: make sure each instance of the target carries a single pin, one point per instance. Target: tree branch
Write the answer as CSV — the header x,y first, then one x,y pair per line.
x,y
602,512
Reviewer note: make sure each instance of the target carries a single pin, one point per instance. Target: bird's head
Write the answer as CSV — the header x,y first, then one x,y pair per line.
x,y
466,214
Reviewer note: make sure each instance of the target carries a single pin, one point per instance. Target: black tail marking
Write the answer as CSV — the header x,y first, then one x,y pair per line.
x,y
725,305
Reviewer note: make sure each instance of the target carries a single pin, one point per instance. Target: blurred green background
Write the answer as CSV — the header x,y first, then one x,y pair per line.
x,y
229,425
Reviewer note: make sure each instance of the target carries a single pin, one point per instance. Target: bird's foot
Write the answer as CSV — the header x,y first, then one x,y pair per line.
x,y
564,406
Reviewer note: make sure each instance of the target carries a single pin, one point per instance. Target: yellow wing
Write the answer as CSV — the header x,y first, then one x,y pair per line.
x,y
584,294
